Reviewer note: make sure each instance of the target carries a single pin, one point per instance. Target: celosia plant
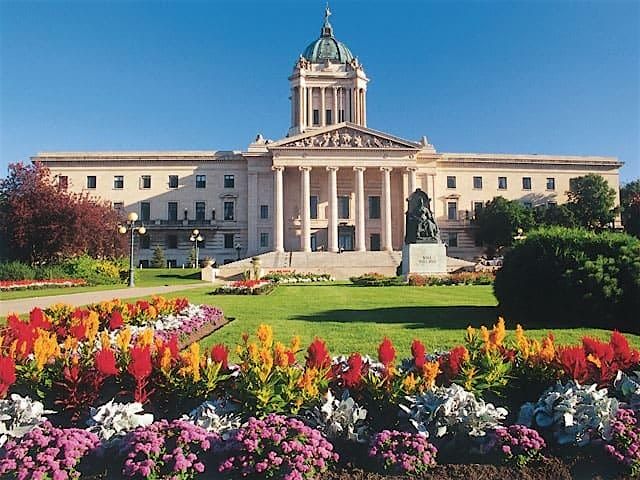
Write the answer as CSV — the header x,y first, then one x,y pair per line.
x,y
277,447
624,444
47,452
166,450
518,444
403,452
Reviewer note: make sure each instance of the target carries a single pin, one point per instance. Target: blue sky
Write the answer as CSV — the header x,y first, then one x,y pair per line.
x,y
554,77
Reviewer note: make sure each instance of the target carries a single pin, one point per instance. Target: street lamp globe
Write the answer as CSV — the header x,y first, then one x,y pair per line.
x,y
132,217
122,229
192,238
195,232
199,238
142,230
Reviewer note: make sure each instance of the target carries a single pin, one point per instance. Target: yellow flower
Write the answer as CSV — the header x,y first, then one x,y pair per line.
x,y
70,344
281,357
153,313
266,364
548,350
409,383
595,360
44,348
484,333
265,335
430,372
145,338
471,334
123,339
165,360
105,340
252,350
308,382
191,360
498,333
12,349
92,324
295,344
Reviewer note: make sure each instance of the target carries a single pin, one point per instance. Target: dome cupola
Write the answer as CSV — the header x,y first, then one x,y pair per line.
x,y
327,48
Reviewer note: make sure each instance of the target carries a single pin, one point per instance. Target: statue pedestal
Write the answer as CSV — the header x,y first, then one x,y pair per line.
x,y
424,259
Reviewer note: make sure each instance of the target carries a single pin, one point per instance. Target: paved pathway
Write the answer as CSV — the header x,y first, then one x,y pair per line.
x,y
24,305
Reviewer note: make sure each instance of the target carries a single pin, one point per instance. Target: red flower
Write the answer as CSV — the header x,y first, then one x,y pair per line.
x,y
291,357
386,352
115,320
37,319
140,364
172,345
23,332
318,355
7,374
106,362
625,356
220,354
452,362
78,331
353,376
418,351
573,361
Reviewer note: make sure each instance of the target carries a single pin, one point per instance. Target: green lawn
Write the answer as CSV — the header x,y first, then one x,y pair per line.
x,y
353,318
144,278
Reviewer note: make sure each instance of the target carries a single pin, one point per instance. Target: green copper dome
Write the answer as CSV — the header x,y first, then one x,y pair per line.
x,y
327,48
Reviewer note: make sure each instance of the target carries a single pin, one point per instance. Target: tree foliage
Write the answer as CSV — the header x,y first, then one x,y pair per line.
x,y
555,215
630,204
592,201
499,220
158,260
41,223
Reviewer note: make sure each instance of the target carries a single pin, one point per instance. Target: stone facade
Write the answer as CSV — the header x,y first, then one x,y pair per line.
x,y
332,184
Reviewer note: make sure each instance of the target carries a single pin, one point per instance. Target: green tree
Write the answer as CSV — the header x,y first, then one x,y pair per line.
x,y
499,220
630,205
555,215
192,257
158,261
592,201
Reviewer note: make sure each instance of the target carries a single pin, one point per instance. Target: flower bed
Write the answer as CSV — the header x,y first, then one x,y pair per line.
x,y
462,278
246,287
161,412
11,285
291,276
377,280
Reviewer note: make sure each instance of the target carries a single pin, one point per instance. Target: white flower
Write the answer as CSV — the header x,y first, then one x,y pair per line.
x,y
340,419
216,416
19,415
116,419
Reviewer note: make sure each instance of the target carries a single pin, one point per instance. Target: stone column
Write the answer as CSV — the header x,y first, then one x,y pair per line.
x,y
310,107
305,239
361,244
387,241
335,105
412,179
278,214
332,225
356,106
347,107
252,214
364,108
303,103
323,113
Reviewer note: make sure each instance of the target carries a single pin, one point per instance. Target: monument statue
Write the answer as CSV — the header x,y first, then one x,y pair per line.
x,y
421,226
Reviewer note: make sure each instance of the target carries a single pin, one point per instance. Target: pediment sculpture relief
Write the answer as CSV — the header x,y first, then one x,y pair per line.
x,y
344,138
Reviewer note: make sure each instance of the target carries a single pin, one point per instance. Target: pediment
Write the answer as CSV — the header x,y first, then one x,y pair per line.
x,y
344,135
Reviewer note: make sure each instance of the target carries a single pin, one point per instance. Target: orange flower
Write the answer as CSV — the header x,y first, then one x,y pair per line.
x,y
281,358
123,339
308,382
265,335
430,372
191,362
45,347
409,383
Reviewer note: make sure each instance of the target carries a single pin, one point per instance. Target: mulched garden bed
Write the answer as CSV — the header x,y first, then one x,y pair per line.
x,y
203,332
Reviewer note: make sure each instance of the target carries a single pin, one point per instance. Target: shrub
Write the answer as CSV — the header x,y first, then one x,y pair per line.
x,y
577,276
403,452
96,272
376,280
278,447
17,271
462,278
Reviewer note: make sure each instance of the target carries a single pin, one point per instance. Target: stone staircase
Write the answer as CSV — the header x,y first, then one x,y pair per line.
x,y
339,265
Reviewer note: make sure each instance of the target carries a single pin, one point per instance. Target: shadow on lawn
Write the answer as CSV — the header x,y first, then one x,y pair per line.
x,y
449,317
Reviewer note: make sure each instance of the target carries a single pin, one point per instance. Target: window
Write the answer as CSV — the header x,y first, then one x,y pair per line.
x,y
341,115
264,211
172,263
63,182
374,207
172,211
228,240
552,204
452,210
328,117
229,181
186,214
201,181
502,183
264,240
313,206
200,211
316,117
144,263
477,183
172,241
145,211
213,214
451,182
343,207
551,183
526,183
527,204
91,181
453,239
173,181
314,242
145,242
228,210
145,181
118,182
477,206
374,242
118,205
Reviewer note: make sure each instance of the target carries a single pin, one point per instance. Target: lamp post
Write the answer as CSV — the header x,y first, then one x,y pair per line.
x,y
196,237
238,248
131,226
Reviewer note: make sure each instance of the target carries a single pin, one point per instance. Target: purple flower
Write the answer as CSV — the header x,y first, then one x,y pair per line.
x,y
517,444
624,444
403,452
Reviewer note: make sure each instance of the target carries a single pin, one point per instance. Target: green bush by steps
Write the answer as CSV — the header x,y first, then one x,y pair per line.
x,y
572,277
